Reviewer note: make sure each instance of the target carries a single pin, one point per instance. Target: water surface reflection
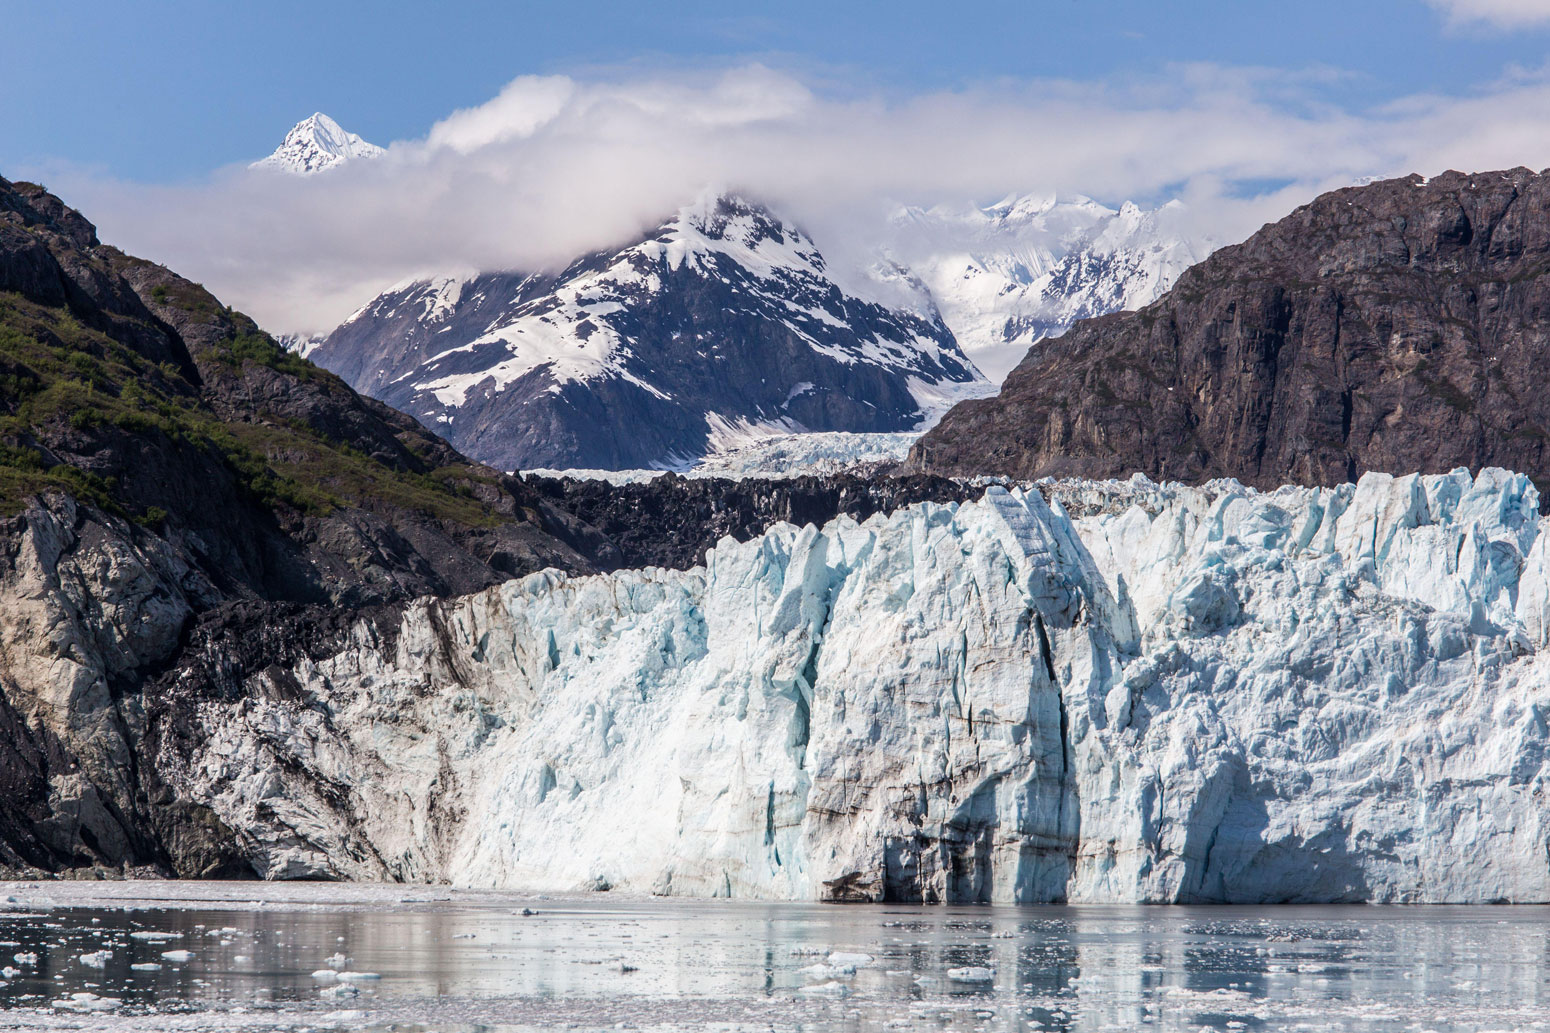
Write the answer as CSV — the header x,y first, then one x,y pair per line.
x,y
244,956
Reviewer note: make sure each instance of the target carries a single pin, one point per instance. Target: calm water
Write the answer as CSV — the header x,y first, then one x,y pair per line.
x,y
449,961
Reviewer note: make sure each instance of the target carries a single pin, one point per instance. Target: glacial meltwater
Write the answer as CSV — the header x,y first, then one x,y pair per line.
x,y
252,956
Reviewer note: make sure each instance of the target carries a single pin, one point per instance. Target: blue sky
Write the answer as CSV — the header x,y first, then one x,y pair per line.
x,y
522,135
168,91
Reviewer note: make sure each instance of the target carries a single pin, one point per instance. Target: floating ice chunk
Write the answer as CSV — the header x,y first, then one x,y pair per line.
x,y
833,988
359,977
146,966
972,974
96,959
25,958
336,961
326,975
828,972
179,955
86,1002
339,990
851,958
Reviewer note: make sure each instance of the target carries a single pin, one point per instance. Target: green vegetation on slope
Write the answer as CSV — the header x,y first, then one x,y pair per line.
x,y
65,387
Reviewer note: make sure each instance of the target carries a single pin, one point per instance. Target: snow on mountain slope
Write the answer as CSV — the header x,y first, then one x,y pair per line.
x,y
816,453
1026,268
720,327
314,144
300,344
1128,692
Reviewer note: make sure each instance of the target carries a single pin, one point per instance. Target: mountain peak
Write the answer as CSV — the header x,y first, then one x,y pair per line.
x,y
314,144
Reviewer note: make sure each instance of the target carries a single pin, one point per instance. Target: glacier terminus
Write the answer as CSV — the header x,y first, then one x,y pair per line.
x,y
1072,691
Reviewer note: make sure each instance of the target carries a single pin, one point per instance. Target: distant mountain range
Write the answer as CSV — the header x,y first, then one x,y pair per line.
x,y
726,324
721,325
1007,276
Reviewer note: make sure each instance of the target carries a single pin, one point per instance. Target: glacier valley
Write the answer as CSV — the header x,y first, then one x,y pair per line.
x,y
1074,691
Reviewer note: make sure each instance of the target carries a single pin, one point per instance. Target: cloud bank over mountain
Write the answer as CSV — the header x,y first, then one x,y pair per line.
x,y
554,166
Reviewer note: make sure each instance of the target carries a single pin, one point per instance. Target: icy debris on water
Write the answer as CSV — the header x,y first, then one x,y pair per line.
x,y
86,1002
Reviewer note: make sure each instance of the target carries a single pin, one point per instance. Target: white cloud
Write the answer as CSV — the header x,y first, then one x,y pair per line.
x,y
553,167
1504,14
526,104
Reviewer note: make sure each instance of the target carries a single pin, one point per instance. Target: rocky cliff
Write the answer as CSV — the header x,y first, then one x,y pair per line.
x,y
1398,326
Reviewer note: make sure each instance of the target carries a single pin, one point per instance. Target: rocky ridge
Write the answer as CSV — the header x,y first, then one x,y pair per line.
x,y
1398,326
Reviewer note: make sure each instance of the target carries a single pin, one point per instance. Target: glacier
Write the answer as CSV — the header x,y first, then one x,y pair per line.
x,y
1071,691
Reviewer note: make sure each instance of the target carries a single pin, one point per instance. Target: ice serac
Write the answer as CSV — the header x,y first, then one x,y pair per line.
x,y
314,144
1118,692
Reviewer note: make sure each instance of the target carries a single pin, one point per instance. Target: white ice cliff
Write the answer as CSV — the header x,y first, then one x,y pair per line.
x,y
1128,692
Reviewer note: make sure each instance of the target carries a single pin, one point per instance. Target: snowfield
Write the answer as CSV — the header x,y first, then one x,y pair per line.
x,y
1094,692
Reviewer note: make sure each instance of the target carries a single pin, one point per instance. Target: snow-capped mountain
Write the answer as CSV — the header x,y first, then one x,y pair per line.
x,y
1026,268
720,326
315,144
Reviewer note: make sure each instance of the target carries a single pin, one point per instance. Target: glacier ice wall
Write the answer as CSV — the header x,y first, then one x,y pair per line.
x,y
1128,692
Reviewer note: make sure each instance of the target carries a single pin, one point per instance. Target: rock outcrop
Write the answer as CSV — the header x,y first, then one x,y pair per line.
x,y
1398,327
1125,692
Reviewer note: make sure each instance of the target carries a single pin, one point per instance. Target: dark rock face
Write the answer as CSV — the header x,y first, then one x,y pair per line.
x,y
1396,327
720,318
181,501
672,521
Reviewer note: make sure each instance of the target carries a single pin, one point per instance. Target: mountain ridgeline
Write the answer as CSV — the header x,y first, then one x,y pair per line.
x,y
1398,326
721,324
